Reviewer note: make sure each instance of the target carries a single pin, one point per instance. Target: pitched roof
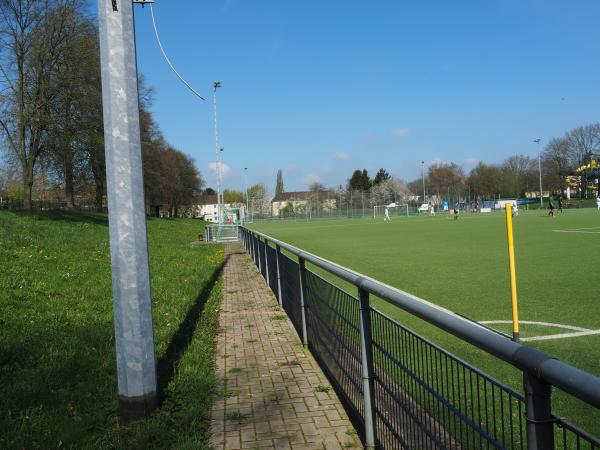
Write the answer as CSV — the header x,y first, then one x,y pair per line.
x,y
208,200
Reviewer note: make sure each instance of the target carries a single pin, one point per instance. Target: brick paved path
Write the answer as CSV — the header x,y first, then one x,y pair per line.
x,y
274,394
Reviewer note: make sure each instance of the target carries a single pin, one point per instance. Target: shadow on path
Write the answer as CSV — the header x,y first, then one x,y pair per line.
x,y
183,337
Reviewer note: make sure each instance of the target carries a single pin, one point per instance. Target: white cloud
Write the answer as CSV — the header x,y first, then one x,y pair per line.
x,y
312,178
341,156
292,168
399,133
225,169
470,161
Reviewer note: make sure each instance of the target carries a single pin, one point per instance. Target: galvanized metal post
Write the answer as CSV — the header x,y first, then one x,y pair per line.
x,y
258,254
134,337
538,412
267,262
303,296
279,295
368,372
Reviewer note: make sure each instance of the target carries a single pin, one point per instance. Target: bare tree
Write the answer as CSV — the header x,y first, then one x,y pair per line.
x,y
32,40
583,142
517,175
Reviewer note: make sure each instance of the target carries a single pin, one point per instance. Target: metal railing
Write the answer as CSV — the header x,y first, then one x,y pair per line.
x,y
221,232
405,392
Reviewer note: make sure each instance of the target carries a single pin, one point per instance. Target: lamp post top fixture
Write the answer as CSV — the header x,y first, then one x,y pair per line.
x,y
216,85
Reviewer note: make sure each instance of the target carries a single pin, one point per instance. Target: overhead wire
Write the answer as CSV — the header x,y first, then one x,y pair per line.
x,y
162,50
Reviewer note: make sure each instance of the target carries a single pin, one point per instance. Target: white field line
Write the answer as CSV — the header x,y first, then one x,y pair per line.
x,y
578,331
576,231
561,335
530,322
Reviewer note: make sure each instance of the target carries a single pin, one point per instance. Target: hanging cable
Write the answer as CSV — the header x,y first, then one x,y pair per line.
x,y
167,58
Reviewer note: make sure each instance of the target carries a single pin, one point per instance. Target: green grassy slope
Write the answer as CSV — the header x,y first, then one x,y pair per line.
x,y
57,363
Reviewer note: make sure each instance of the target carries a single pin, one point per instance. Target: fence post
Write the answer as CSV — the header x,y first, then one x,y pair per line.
x,y
253,245
538,413
368,372
302,270
267,262
258,254
279,295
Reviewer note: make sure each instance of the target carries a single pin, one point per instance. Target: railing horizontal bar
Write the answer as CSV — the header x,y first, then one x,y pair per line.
x,y
576,382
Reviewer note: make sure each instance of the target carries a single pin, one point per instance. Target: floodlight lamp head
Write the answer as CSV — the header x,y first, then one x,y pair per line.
x,y
216,85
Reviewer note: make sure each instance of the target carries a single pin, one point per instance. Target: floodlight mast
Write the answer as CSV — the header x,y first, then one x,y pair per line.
x,y
423,178
246,183
218,150
537,141
134,336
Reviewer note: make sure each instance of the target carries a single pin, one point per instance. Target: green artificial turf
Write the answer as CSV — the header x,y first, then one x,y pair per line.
x,y
57,358
463,266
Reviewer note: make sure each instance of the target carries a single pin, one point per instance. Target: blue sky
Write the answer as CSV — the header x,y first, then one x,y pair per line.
x,y
320,88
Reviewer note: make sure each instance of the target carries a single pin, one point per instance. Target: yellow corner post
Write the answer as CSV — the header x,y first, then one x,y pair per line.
x,y
513,273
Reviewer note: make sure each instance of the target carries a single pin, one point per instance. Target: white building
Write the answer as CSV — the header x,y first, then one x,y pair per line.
x,y
208,208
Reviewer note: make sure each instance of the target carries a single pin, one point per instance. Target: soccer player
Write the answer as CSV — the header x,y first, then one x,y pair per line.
x,y
431,209
598,203
515,210
550,207
560,204
386,217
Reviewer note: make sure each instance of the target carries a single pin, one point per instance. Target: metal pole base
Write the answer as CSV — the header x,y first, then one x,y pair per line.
x,y
136,408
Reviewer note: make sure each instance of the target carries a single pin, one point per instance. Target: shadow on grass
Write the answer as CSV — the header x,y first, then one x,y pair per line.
x,y
181,340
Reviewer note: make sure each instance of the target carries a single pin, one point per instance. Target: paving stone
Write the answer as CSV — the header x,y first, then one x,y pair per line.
x,y
276,406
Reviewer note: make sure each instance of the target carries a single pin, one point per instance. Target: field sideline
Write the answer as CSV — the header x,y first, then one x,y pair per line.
x,y
463,266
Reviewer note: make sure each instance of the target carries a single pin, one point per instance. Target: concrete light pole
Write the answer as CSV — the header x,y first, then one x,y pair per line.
x,y
134,337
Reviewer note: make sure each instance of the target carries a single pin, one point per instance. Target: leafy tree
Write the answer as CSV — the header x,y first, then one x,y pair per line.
x,y
209,191
231,196
279,186
443,178
359,181
485,181
381,176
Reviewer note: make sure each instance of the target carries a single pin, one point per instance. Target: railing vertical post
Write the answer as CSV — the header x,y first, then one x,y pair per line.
x,y
267,262
258,253
538,412
253,241
368,373
279,295
303,291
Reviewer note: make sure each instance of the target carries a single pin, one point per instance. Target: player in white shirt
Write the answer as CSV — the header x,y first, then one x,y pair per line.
x,y
386,217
